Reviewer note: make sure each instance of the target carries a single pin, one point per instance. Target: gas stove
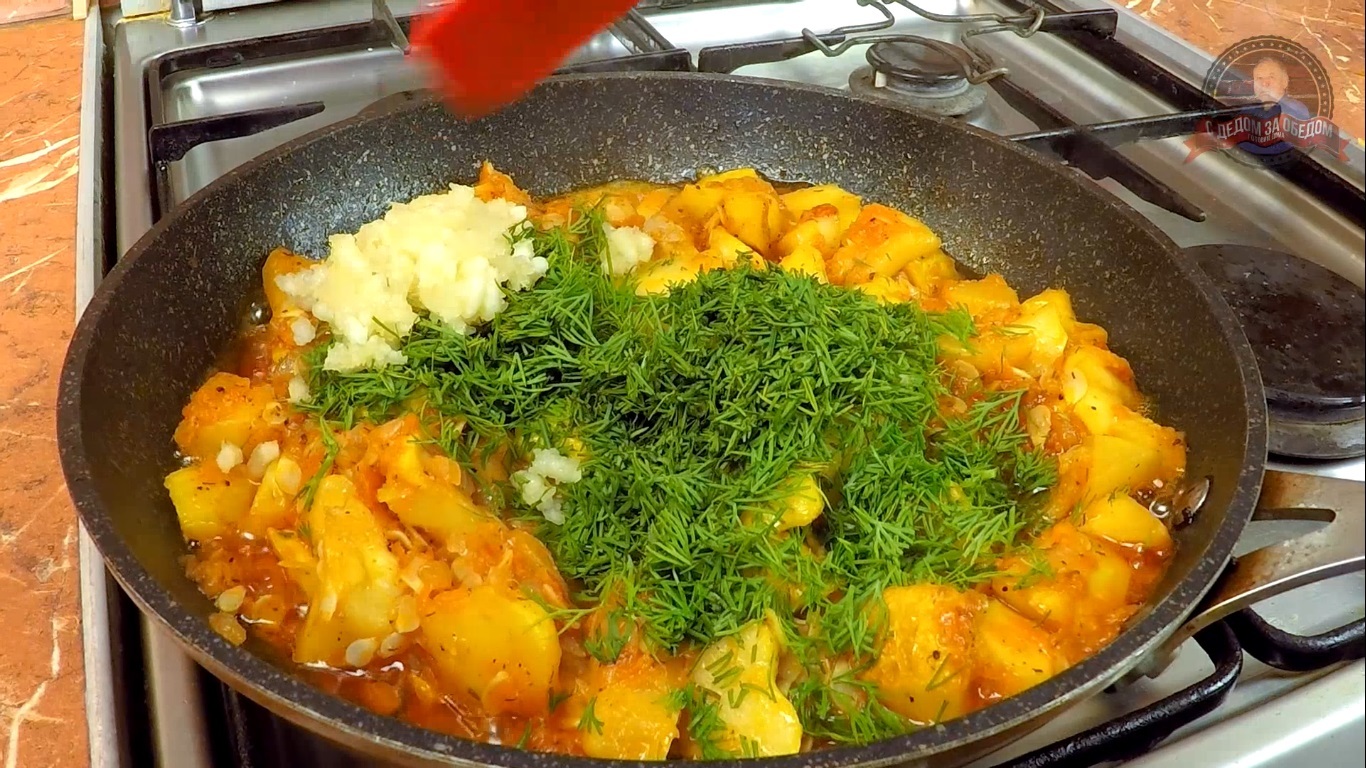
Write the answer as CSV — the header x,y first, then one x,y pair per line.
x,y
178,97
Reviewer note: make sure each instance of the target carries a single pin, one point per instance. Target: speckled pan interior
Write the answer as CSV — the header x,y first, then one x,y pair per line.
x,y
168,308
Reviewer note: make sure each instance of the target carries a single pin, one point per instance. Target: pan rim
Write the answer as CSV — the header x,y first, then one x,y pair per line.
x,y
360,728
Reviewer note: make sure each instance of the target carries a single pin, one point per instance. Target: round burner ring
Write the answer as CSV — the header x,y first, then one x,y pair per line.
x,y
920,63
1306,326
927,74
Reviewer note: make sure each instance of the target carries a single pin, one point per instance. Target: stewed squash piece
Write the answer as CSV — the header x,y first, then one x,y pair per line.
x,y
226,409
740,672
501,647
207,501
1097,382
881,242
923,668
357,577
635,719
846,204
1011,653
1120,519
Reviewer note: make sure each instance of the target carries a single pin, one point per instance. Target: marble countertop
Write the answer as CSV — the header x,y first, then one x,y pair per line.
x,y
42,720
41,685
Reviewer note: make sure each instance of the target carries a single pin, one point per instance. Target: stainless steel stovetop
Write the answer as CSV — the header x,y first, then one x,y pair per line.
x,y
146,73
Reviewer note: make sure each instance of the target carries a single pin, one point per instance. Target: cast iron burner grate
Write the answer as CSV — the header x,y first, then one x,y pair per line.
x,y
1307,327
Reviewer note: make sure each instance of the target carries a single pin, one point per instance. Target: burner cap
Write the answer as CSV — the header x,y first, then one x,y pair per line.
x,y
914,65
1305,324
920,75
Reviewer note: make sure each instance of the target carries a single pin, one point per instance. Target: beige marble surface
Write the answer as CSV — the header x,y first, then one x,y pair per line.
x,y
41,687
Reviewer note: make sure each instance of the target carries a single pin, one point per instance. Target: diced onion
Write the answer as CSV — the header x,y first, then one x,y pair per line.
x,y
1038,423
390,645
261,458
298,390
226,625
229,600
406,619
302,330
360,652
288,475
229,456
327,606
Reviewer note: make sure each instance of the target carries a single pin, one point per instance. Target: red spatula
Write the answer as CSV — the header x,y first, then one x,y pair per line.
x,y
488,53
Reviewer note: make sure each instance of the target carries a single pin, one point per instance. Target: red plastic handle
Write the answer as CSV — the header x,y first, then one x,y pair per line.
x,y
488,53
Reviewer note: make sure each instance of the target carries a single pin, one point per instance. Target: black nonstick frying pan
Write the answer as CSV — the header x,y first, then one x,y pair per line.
x,y
161,317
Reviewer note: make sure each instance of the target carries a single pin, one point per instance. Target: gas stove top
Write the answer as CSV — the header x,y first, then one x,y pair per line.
x,y
186,97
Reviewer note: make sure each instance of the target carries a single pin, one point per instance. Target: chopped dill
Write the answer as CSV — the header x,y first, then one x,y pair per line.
x,y
694,410
607,642
589,721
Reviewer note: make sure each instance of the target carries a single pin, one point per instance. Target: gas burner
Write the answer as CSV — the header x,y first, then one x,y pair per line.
x,y
1305,324
929,75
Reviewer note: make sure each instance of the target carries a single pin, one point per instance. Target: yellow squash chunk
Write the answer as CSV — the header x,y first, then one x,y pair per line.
x,y
741,670
1012,652
654,201
923,669
734,174
499,646
1045,597
982,297
754,215
694,204
296,558
273,505
636,720
1137,454
659,276
421,499
1120,519
805,260
995,350
1079,577
1070,492
1169,444
930,271
1047,318
207,502
819,230
881,242
846,204
225,409
1095,383
888,290
731,250
804,505
357,582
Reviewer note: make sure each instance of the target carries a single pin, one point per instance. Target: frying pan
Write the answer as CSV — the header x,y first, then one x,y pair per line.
x,y
167,309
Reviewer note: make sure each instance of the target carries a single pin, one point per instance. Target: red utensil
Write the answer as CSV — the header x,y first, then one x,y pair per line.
x,y
488,53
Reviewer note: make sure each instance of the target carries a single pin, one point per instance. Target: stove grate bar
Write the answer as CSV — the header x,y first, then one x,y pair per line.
x,y
1297,653
1083,148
